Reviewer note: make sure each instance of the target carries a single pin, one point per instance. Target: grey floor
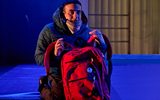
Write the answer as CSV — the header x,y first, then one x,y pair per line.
x,y
134,77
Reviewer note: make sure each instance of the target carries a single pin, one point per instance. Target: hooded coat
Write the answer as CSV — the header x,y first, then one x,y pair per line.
x,y
58,29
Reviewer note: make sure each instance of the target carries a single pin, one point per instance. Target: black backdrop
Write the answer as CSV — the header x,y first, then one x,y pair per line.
x,y
20,23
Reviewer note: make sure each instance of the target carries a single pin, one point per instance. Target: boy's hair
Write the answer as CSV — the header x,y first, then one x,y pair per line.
x,y
71,1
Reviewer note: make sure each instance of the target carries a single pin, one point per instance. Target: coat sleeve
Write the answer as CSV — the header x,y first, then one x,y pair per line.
x,y
109,59
106,48
44,40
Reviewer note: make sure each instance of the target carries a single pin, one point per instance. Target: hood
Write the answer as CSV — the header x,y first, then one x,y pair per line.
x,y
60,21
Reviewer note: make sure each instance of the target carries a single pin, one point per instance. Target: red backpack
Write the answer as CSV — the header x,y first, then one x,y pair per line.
x,y
83,74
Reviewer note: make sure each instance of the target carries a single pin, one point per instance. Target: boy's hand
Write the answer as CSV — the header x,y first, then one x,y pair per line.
x,y
98,35
59,47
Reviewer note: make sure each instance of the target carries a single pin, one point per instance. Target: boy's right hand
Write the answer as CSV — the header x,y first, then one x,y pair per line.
x,y
59,47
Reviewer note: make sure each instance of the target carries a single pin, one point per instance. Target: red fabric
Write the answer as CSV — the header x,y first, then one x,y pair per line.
x,y
80,87
47,57
78,80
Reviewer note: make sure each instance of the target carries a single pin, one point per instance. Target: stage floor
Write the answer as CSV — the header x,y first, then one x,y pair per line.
x,y
134,77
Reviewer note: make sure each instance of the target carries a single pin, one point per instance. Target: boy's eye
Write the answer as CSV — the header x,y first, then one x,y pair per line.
x,y
71,12
75,11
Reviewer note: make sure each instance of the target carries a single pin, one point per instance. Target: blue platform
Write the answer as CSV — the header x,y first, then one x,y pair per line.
x,y
134,77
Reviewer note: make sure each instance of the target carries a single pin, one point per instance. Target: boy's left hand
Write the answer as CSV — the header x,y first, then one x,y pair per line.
x,y
98,35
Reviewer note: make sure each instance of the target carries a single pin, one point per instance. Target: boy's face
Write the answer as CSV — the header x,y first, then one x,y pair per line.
x,y
72,12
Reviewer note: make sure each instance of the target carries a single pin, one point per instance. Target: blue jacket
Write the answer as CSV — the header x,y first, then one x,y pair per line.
x,y
58,29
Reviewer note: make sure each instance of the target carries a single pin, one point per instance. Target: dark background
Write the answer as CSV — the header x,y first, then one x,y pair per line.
x,y
20,24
